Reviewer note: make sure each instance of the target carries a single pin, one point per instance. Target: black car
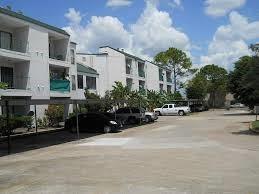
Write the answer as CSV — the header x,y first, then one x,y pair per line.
x,y
92,122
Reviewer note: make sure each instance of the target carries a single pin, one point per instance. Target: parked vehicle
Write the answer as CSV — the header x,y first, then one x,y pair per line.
x,y
198,108
92,122
172,109
150,116
237,105
131,115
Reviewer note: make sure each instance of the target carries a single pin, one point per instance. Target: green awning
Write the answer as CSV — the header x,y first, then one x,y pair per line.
x,y
85,69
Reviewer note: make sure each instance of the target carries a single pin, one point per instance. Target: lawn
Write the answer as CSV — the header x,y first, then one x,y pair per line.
x,y
255,124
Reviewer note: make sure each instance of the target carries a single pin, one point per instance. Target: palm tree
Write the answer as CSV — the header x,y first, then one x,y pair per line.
x,y
120,93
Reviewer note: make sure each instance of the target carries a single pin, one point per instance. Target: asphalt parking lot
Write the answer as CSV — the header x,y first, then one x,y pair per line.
x,y
206,152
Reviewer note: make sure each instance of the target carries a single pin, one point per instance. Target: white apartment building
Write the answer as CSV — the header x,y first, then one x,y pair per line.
x,y
37,61
116,65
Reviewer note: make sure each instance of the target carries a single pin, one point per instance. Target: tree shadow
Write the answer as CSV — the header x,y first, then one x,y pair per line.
x,y
245,132
37,141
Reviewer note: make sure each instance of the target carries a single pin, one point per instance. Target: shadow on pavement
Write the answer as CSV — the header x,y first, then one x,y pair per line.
x,y
245,132
40,141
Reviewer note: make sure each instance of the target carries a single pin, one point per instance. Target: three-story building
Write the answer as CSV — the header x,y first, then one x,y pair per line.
x,y
37,60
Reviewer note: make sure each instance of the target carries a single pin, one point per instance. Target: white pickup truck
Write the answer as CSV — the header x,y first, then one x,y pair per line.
x,y
172,109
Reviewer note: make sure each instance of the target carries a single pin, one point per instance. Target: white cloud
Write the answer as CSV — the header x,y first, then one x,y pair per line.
x,y
175,3
98,32
218,8
229,41
152,33
118,3
73,16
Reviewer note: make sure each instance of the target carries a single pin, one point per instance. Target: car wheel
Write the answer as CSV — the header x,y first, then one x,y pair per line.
x,y
180,113
147,119
159,113
107,129
132,120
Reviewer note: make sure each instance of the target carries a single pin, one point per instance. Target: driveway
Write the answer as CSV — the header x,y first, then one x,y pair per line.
x,y
206,152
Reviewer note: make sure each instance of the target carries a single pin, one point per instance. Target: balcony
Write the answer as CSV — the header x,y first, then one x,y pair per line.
x,y
59,85
15,50
17,86
58,51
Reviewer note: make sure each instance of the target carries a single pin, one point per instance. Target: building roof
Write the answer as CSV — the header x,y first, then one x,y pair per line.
x,y
31,20
85,69
92,53
124,53
160,66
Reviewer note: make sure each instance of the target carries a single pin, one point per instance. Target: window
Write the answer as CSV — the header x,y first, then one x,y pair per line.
x,y
72,54
170,106
7,76
84,59
73,82
166,106
123,111
91,83
135,110
5,40
80,82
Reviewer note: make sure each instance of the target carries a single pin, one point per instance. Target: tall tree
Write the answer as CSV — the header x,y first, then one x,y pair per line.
x,y
244,79
217,79
178,61
197,87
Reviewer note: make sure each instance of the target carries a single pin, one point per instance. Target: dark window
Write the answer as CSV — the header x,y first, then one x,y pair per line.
x,y
170,106
166,106
135,110
5,40
91,83
123,110
80,82
7,76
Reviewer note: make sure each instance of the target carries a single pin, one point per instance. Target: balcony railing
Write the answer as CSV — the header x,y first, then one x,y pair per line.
x,y
18,82
141,73
16,46
59,85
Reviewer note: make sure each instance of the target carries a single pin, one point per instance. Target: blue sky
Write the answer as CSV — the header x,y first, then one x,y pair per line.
x,y
210,31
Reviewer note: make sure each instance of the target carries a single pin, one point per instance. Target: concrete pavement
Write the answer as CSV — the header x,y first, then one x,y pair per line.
x,y
207,152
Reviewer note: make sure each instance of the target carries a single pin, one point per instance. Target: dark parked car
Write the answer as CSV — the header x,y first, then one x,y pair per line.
x,y
92,122
131,115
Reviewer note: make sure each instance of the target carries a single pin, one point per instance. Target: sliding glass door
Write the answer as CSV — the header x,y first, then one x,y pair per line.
x,y
7,76
5,40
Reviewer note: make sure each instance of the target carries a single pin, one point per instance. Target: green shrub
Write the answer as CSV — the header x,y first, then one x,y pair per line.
x,y
42,123
15,122
54,114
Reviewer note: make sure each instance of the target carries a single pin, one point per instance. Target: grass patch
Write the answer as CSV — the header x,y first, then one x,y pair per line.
x,y
255,124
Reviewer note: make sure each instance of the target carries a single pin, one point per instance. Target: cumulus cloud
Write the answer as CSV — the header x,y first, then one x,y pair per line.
x,y
118,3
73,16
98,32
150,34
217,8
154,32
175,3
230,41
